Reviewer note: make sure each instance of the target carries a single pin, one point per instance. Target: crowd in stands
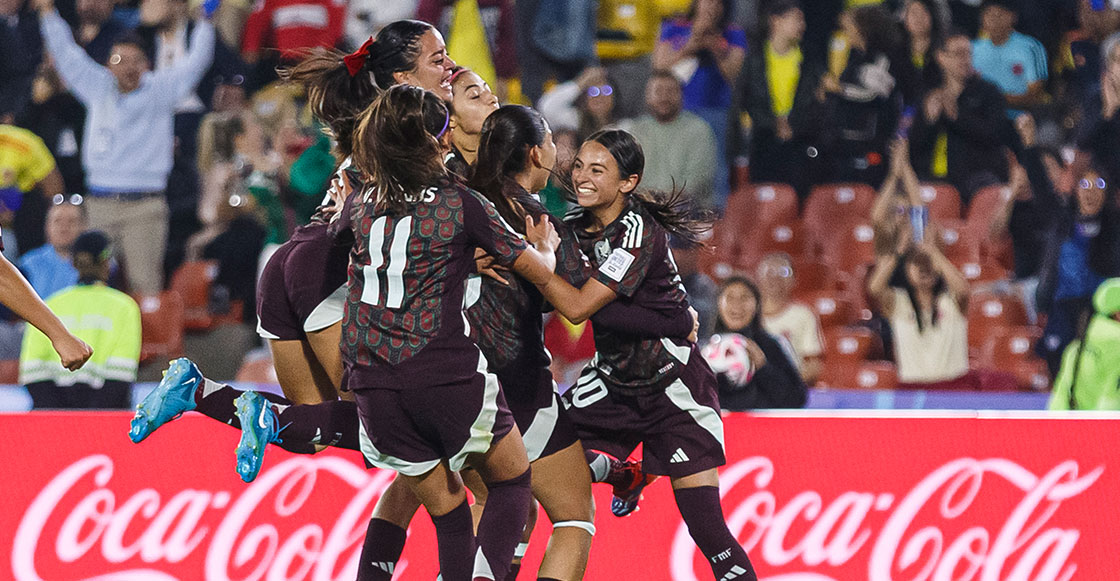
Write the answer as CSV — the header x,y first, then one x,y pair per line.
x,y
910,193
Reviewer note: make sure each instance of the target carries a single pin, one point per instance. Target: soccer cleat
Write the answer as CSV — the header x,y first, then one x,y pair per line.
x,y
627,481
259,428
173,396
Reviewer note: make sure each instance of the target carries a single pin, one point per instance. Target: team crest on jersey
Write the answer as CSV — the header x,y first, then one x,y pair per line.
x,y
602,251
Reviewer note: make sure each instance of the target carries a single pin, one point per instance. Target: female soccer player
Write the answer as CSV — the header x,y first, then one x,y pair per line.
x,y
301,294
656,391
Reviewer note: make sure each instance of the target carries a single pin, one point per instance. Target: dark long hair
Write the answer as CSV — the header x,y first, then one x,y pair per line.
x,y
671,210
899,280
508,135
397,146
338,98
753,328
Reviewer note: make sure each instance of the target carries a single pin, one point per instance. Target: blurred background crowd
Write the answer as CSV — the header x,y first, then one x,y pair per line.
x,y
910,193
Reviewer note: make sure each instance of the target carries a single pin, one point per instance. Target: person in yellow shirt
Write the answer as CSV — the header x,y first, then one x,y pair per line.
x,y
25,162
106,318
776,99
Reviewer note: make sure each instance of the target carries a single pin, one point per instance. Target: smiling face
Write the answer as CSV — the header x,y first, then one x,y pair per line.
x,y
473,102
433,67
128,63
737,306
1091,193
596,179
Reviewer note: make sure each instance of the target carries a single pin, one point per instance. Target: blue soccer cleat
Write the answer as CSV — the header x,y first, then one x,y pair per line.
x,y
259,427
628,480
173,396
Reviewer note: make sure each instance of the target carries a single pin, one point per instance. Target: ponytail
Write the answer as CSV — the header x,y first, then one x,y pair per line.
x,y
508,135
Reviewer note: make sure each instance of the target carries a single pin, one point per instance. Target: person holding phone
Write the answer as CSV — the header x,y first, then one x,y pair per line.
x,y
925,298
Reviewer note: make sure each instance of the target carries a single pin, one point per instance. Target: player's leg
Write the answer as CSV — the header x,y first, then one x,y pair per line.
x,y
302,377
562,484
697,497
387,531
504,469
685,442
443,495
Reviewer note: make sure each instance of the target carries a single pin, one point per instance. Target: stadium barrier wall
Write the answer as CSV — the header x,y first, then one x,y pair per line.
x,y
812,497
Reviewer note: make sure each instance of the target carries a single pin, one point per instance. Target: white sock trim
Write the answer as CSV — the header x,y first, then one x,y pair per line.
x,y
519,552
600,468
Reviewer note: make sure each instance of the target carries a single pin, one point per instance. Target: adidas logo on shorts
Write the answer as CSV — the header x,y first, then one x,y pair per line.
x,y
679,456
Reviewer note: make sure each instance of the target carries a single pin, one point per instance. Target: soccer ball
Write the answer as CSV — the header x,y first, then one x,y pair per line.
x,y
727,355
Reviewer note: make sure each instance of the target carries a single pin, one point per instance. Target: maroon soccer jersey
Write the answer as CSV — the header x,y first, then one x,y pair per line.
x,y
403,325
631,256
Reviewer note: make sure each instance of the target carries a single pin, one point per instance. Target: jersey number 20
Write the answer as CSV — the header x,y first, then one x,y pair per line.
x,y
391,263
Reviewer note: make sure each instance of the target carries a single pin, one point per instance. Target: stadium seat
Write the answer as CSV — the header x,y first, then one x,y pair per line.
x,y
982,270
879,375
830,205
811,275
1005,347
161,322
762,204
848,245
1032,375
984,205
831,308
784,237
193,280
957,242
943,201
990,314
849,344
9,371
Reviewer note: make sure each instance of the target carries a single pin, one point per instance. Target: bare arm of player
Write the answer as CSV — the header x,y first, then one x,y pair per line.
x,y
22,300
577,305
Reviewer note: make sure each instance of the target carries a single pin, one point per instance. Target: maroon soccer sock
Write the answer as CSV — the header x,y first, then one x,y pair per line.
x,y
381,550
600,465
215,400
331,423
503,521
455,534
703,514
514,569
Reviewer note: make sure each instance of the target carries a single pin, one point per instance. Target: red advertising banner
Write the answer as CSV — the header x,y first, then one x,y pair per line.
x,y
811,498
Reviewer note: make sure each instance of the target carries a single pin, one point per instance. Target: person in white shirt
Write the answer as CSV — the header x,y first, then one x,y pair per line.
x,y
128,142
782,317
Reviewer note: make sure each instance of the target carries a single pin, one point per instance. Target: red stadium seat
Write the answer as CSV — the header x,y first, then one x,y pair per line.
x,y
810,275
192,280
161,321
781,237
983,270
984,205
849,245
880,375
1007,346
759,205
943,201
831,205
9,372
849,344
831,308
990,314
957,242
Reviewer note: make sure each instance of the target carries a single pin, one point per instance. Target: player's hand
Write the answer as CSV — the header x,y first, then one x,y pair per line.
x,y
72,351
484,264
695,335
542,234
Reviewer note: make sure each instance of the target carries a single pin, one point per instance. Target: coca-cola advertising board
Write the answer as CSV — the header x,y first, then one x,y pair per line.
x,y
811,498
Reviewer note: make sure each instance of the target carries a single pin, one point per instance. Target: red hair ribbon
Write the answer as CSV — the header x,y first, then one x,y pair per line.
x,y
356,59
